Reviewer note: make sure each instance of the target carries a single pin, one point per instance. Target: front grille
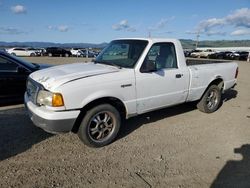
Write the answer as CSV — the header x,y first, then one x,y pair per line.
x,y
32,90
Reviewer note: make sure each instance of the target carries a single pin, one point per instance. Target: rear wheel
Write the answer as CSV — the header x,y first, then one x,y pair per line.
x,y
13,54
100,126
211,100
50,54
32,54
66,55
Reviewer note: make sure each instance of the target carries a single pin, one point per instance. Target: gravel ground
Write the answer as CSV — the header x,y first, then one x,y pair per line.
x,y
173,147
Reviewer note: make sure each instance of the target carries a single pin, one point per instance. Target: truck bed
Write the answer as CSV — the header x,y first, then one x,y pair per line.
x,y
191,62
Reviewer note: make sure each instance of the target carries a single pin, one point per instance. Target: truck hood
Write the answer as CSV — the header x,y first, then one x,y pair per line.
x,y
58,75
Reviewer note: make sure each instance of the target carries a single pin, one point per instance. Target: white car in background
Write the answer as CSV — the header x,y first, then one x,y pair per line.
x,y
21,52
196,53
77,52
206,53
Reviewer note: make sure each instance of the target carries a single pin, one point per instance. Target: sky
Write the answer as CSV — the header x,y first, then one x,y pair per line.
x,y
85,21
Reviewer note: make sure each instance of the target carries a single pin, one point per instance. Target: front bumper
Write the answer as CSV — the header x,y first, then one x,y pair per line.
x,y
51,121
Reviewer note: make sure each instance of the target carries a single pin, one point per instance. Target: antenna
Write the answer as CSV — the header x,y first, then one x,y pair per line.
x,y
197,39
149,34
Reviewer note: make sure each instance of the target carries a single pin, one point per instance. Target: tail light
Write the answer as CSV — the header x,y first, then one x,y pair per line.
x,y
236,72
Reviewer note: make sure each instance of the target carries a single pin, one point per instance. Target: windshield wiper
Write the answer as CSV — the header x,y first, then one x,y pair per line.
x,y
108,63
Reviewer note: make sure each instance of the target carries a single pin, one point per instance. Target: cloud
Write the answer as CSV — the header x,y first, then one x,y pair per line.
x,y
63,28
123,25
50,27
211,33
18,9
165,32
11,31
238,18
208,33
161,24
191,32
210,23
241,32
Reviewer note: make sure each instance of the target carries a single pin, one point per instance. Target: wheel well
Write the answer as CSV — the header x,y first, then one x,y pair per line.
x,y
218,81
117,103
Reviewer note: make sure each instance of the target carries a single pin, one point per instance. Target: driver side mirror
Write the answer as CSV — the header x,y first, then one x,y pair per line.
x,y
148,67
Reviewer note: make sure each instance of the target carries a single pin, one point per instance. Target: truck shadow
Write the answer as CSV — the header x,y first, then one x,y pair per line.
x,y
17,133
228,95
235,173
134,123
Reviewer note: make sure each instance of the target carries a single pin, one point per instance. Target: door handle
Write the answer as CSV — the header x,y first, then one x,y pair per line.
x,y
178,75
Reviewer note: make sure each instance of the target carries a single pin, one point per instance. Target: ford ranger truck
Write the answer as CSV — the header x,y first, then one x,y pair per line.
x,y
130,77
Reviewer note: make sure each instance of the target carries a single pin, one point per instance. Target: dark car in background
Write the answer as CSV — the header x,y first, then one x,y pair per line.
x,y
13,75
220,55
55,51
241,55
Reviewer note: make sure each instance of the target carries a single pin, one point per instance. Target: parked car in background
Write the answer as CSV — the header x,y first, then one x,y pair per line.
x,y
13,74
220,55
36,50
242,55
187,53
84,53
206,53
55,51
196,53
21,52
78,52
89,53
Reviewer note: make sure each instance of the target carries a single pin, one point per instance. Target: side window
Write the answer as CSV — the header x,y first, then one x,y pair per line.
x,y
7,66
19,49
161,56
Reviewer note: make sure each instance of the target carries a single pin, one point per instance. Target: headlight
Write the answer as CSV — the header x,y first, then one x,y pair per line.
x,y
49,99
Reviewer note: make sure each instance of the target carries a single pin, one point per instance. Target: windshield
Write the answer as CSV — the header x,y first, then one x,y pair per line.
x,y
122,53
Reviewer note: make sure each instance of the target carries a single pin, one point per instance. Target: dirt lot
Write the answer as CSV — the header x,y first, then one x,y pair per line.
x,y
174,147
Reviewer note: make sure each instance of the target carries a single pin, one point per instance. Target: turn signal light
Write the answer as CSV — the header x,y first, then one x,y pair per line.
x,y
57,100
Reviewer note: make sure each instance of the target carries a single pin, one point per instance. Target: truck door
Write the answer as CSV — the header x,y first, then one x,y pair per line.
x,y
160,82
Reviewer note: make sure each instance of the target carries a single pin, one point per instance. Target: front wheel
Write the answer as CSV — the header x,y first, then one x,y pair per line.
x,y
211,100
100,126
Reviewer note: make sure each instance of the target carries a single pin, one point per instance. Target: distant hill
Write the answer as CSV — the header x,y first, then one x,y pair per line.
x,y
51,44
186,43
190,44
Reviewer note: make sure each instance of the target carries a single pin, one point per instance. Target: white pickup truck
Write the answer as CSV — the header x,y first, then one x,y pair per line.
x,y
128,78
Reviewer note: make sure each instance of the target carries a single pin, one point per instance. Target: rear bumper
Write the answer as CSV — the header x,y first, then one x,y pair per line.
x,y
51,121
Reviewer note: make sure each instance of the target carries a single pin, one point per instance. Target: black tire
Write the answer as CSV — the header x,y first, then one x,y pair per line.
x,y
13,54
100,126
32,54
50,54
66,55
211,100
